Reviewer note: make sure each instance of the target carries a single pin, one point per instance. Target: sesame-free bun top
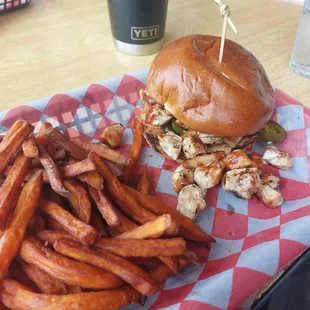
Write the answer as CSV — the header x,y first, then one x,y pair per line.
x,y
232,98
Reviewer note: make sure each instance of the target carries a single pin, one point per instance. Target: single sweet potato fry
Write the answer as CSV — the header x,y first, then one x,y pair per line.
x,y
97,222
51,236
83,232
143,248
92,178
40,137
73,289
150,230
14,234
65,269
108,261
12,185
16,125
104,206
53,175
77,168
163,272
135,150
30,149
187,228
62,142
79,200
12,142
36,224
103,151
144,185
15,296
44,281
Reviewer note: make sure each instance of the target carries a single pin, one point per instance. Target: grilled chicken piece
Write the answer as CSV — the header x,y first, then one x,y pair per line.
x,y
201,160
269,196
246,141
232,141
257,162
156,115
171,144
192,146
181,177
271,180
242,182
209,176
111,135
276,158
219,148
209,139
237,159
191,201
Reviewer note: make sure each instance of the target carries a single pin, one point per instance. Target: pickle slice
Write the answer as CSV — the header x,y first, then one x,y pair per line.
x,y
179,130
272,132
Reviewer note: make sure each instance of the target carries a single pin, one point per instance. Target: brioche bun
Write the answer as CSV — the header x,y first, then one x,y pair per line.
x,y
232,98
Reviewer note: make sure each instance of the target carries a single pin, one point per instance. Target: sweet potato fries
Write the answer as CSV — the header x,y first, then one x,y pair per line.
x,y
69,222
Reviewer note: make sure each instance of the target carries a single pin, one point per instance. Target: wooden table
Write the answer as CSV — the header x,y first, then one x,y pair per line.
x,y
55,45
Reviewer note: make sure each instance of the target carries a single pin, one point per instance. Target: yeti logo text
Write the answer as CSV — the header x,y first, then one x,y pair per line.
x,y
144,33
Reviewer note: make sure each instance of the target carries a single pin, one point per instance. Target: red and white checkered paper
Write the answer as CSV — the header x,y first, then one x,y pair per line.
x,y
253,243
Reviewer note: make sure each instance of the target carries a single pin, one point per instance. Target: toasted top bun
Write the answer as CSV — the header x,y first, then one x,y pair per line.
x,y
232,98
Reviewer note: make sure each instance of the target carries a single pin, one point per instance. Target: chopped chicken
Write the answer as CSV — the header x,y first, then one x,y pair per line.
x,y
191,201
192,146
157,116
246,141
237,159
181,177
171,144
232,141
269,196
257,162
201,160
242,182
276,158
219,148
111,135
271,180
209,139
209,176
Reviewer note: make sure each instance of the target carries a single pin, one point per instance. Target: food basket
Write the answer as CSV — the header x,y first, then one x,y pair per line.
x,y
9,5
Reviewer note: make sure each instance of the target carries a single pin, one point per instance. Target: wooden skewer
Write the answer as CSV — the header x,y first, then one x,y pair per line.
x,y
224,9
223,37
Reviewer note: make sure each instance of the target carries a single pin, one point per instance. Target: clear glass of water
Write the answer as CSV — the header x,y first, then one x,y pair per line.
x,y
300,58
